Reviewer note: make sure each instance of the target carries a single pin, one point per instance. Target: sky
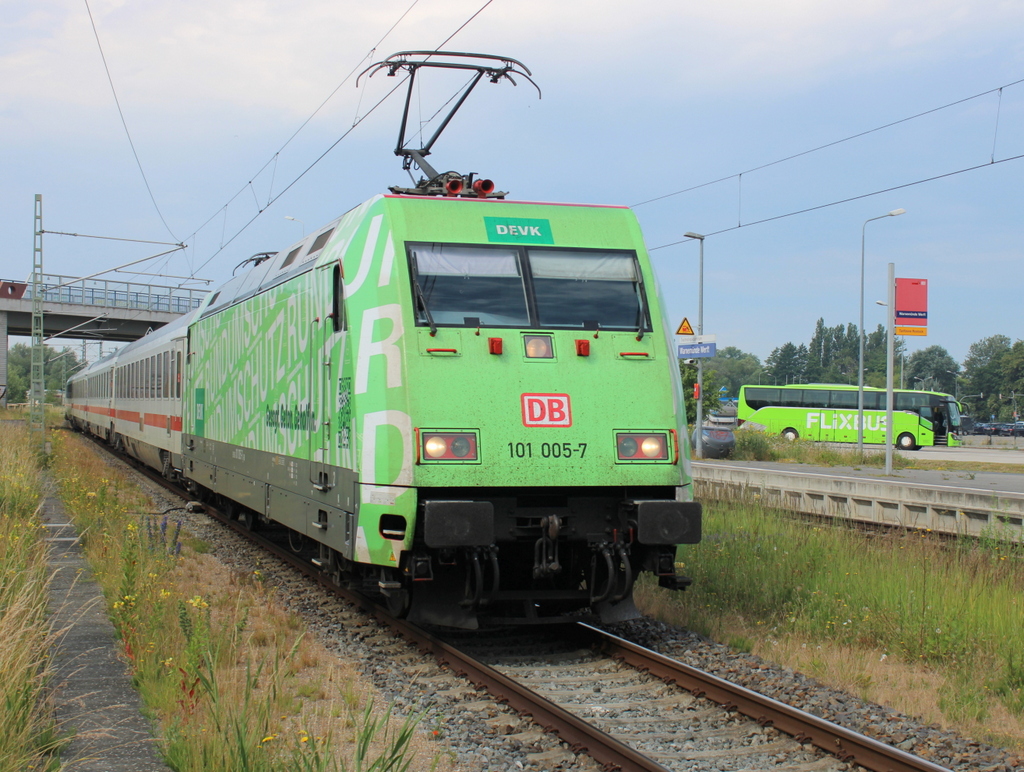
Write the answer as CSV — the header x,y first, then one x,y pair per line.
x,y
685,111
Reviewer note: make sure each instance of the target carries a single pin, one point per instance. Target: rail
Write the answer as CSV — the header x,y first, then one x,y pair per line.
x,y
606,750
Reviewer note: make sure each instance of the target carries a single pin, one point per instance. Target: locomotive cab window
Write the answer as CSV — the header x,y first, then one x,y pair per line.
x,y
455,283
579,289
524,287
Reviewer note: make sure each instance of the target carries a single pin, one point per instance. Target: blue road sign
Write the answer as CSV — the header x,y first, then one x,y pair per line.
x,y
695,350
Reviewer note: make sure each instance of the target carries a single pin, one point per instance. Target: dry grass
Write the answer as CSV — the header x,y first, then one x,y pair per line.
x,y
234,680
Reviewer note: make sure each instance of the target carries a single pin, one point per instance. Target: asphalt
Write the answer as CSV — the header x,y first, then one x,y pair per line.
x,y
959,480
94,697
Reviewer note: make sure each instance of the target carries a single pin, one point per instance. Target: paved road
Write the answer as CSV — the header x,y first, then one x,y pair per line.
x,y
996,455
960,480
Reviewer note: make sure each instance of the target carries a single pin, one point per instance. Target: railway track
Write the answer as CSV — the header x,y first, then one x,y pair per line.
x,y
625,706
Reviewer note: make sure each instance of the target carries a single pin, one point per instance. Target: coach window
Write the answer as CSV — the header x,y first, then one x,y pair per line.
x,y
816,398
791,398
844,399
167,374
177,379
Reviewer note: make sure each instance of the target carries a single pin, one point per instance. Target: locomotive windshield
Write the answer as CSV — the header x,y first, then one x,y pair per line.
x,y
480,286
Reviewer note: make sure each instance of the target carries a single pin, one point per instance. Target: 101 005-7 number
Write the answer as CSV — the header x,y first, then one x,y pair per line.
x,y
547,450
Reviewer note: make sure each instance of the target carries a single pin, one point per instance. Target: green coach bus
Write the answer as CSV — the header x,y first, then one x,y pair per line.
x,y
827,412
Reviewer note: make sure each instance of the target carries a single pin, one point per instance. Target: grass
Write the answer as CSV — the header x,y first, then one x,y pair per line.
x,y
888,616
29,739
758,446
233,682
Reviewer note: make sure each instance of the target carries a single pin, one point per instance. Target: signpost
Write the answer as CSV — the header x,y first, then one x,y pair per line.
x,y
911,309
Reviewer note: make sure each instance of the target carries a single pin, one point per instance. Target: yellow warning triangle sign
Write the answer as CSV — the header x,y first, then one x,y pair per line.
x,y
685,328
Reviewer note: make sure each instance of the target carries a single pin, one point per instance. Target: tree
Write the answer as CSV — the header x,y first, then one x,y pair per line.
x,y
56,365
709,399
787,363
983,375
934,368
1013,378
734,368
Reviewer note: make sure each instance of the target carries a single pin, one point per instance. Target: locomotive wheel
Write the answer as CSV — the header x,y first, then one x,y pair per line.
x,y
250,520
397,601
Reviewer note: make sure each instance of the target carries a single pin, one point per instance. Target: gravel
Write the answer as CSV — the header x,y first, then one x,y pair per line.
x,y
490,737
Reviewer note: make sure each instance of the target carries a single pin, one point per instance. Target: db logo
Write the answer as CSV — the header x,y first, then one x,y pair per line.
x,y
546,410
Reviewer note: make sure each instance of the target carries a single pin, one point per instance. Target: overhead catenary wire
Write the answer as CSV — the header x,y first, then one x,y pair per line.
x,y
274,158
356,122
858,135
124,123
986,165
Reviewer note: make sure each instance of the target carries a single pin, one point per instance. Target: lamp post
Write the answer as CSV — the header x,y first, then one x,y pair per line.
x,y
699,418
956,384
860,358
296,219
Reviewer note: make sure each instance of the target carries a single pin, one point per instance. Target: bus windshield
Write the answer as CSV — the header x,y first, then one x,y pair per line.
x,y
524,287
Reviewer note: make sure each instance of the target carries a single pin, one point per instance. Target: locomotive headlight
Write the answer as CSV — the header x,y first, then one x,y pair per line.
x,y
641,446
539,347
435,447
444,447
653,447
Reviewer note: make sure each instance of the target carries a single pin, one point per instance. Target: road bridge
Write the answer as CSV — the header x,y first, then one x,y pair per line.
x,y
94,309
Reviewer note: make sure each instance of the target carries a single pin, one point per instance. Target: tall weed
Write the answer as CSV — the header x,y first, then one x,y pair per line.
x,y
222,688
754,445
28,738
957,608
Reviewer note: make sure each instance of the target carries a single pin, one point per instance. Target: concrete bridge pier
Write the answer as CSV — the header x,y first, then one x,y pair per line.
x,y
3,359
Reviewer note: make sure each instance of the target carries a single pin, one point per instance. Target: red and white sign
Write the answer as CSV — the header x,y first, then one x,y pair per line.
x,y
912,302
546,410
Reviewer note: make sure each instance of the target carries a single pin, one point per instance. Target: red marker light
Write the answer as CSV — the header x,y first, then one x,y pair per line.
x,y
583,348
494,345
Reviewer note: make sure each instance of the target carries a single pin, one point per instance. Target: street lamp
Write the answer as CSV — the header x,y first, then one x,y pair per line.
x,y
296,219
699,418
860,358
956,384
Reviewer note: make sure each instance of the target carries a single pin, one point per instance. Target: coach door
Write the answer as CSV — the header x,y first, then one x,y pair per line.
x,y
321,370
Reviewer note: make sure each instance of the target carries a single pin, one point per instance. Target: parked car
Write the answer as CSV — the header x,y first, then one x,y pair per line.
x,y
716,442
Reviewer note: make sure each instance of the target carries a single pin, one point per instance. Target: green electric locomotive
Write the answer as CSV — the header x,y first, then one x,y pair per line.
x,y
467,405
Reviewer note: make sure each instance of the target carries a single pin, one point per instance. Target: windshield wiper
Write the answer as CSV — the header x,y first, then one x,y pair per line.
x,y
643,310
423,302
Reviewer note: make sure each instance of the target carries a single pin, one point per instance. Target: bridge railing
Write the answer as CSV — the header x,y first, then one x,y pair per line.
x,y
118,294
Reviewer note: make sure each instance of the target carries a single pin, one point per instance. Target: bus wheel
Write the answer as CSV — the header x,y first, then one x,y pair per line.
x,y
791,434
906,442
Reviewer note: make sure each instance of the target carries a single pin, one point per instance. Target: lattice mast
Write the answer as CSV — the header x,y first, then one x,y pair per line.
x,y
37,389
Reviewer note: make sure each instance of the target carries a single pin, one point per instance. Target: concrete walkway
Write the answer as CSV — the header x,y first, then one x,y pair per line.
x,y
94,696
